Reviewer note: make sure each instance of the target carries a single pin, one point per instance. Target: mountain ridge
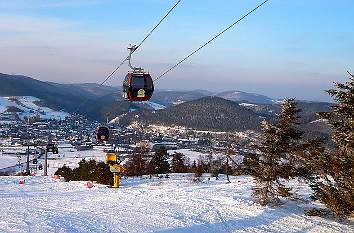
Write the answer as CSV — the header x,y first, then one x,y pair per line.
x,y
101,102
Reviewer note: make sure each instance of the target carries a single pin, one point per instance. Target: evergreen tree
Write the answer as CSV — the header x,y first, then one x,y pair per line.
x,y
151,168
136,165
103,175
193,167
159,164
81,172
178,164
274,156
337,192
87,170
198,172
65,172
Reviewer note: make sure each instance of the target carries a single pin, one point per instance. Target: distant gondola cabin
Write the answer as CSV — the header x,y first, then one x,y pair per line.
x,y
102,133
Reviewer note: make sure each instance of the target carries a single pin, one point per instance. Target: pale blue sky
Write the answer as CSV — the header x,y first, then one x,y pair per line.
x,y
289,48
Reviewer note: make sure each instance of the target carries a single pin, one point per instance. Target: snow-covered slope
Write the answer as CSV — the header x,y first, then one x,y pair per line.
x,y
240,96
155,106
27,106
159,205
150,105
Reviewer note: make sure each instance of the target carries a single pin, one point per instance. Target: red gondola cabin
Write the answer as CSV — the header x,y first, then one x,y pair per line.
x,y
138,86
102,133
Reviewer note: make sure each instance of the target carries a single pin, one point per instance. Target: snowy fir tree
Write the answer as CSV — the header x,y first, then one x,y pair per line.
x,y
335,187
275,154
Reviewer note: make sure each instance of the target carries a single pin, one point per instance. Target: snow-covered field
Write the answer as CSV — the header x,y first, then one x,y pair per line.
x,y
142,205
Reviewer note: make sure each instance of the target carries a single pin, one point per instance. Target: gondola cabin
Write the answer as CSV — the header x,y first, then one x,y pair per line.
x,y
51,147
102,133
138,86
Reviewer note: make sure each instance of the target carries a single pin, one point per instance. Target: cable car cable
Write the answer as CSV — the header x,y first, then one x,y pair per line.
x,y
147,36
127,58
158,24
209,41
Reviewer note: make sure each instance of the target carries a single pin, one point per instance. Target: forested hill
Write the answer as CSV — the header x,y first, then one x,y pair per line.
x,y
207,113
54,95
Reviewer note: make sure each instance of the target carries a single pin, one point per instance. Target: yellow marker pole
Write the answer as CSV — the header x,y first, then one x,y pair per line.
x,y
116,181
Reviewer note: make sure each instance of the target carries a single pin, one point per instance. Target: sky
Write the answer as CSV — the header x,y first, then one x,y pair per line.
x,y
288,48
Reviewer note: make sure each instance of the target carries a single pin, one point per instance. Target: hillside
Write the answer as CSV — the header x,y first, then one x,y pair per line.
x,y
217,114
52,96
240,96
24,107
67,97
171,97
90,99
207,113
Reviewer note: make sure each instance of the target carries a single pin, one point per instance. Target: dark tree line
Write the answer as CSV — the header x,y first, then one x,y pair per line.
x,y
87,170
139,164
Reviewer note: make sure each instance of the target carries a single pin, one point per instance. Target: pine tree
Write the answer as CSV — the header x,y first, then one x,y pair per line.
x,y
178,164
65,172
338,192
136,165
198,171
87,170
103,175
275,154
82,172
159,164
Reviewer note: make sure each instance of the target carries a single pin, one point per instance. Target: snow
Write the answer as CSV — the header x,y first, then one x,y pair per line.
x,y
248,105
67,156
7,161
30,109
142,205
155,106
192,155
319,121
9,156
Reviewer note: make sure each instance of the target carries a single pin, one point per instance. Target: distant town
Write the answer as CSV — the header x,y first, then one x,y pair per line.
x,y
77,133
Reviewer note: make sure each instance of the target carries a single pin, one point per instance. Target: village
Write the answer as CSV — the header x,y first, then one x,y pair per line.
x,y
76,134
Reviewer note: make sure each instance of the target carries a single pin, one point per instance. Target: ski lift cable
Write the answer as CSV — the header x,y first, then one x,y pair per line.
x,y
127,58
209,41
145,38
158,24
